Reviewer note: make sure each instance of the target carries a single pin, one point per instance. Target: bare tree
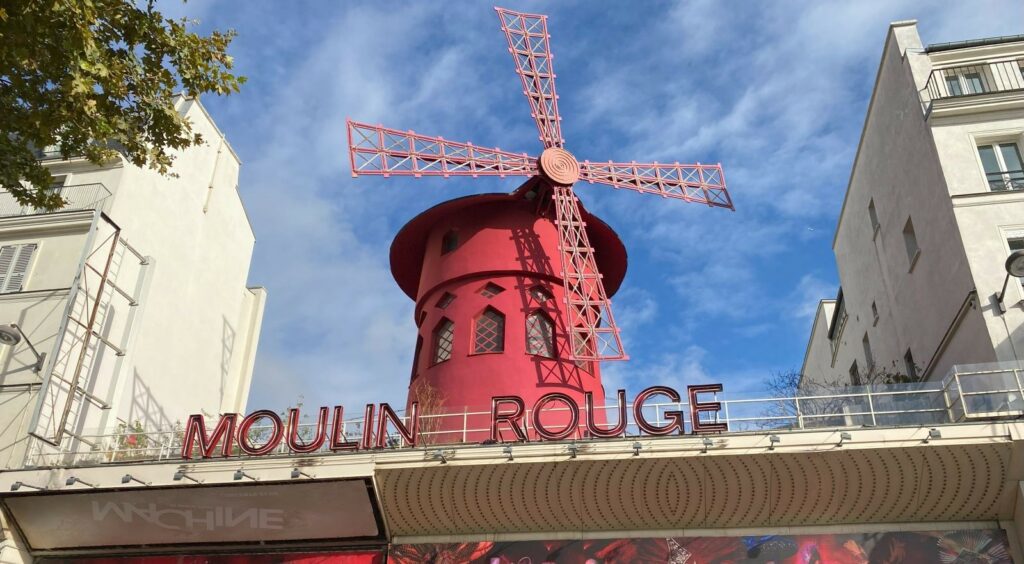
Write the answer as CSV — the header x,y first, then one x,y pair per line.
x,y
431,400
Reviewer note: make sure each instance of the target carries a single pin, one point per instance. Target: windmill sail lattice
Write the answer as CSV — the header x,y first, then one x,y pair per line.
x,y
377,150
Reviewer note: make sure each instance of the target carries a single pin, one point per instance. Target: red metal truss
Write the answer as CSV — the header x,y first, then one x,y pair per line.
x,y
377,150
704,184
529,44
594,335
382,151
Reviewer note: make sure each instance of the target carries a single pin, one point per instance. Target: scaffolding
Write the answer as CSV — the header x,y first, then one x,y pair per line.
x,y
98,317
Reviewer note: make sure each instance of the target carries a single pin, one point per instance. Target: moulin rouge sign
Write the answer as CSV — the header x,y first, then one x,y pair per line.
x,y
506,412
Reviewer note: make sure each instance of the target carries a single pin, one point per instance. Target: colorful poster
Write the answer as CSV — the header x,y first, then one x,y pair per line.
x,y
929,547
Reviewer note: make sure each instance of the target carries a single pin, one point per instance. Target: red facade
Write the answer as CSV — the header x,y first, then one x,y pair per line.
x,y
485,274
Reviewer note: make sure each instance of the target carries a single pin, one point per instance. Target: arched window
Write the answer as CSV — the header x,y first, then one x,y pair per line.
x,y
449,242
540,334
444,340
489,332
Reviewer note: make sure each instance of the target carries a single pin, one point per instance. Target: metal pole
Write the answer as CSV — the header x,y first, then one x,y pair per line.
x,y
88,334
871,407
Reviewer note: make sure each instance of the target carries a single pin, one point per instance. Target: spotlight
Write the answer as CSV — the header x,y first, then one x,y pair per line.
x,y
181,475
239,474
127,478
18,485
933,434
507,451
439,455
296,473
708,443
73,480
772,439
844,436
573,450
636,448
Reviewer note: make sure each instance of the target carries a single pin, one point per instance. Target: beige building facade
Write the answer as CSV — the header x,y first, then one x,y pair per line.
x,y
934,205
130,306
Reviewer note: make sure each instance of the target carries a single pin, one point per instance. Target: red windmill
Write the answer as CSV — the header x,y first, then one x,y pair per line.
x,y
586,316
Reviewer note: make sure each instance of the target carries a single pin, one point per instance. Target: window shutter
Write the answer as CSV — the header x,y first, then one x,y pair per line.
x,y
7,253
16,266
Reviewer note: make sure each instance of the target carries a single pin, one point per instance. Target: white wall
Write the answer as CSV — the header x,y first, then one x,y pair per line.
x,y
192,345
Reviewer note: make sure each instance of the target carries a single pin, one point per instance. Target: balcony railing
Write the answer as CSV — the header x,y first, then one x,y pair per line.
x,y
1005,180
973,80
968,393
79,197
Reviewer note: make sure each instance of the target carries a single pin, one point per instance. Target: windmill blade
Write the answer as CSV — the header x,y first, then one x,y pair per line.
x,y
381,151
593,333
703,184
529,44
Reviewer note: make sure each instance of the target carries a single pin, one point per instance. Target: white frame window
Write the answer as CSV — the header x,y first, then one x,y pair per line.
x,y
1001,173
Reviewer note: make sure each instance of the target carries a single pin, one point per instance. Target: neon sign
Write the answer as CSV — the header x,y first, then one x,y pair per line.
x,y
507,413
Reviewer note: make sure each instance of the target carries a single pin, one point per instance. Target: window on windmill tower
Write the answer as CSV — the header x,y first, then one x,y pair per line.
x,y
449,242
445,300
444,340
539,295
540,334
491,290
489,332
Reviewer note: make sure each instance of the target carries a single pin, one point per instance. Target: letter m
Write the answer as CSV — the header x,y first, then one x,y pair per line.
x,y
223,434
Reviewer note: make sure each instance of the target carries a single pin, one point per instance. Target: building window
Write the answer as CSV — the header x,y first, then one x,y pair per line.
x,y
14,263
445,300
491,290
875,226
855,374
422,317
974,83
1003,166
449,242
540,335
489,332
444,340
953,85
910,365
539,295
874,314
910,240
869,359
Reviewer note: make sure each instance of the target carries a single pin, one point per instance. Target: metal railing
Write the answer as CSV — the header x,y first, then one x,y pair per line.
x,y
77,197
968,393
1005,180
972,80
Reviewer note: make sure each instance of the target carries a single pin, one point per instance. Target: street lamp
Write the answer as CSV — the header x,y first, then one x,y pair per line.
x,y
1015,268
12,334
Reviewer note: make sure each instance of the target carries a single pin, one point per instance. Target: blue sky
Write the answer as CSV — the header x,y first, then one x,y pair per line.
x,y
776,91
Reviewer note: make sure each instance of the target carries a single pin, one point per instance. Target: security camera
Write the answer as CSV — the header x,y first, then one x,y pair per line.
x,y
9,335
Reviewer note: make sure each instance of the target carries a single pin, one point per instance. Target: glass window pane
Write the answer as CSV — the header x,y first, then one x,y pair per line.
x,y
1012,160
974,85
953,85
988,158
1016,244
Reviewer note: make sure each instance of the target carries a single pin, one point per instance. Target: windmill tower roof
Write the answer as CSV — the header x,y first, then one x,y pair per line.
x,y
409,246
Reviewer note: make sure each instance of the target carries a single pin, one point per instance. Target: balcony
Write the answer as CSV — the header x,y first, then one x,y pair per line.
x,y
79,197
969,393
975,80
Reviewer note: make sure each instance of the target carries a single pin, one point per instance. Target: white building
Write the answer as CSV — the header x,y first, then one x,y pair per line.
x,y
934,205
134,296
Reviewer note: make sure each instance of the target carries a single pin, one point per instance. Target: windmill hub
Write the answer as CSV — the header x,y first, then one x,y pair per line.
x,y
559,166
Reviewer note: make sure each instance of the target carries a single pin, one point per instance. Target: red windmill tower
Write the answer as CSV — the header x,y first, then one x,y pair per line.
x,y
512,290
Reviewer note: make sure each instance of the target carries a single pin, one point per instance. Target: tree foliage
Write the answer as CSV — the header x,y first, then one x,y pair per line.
x,y
89,76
